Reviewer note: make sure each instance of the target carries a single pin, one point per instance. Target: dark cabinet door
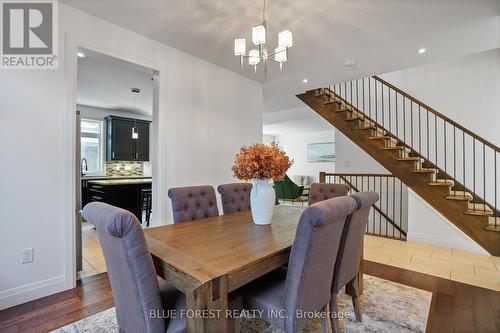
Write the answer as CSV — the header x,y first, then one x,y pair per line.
x,y
127,139
121,145
142,142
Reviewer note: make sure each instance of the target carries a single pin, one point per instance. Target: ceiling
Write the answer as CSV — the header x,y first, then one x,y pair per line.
x,y
379,35
105,82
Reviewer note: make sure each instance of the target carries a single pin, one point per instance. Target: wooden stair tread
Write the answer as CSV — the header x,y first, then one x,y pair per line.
x,y
426,170
493,224
418,159
380,137
352,118
442,182
479,209
460,195
396,148
341,110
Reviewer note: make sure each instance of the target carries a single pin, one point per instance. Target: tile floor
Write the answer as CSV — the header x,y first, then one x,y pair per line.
x,y
93,259
465,267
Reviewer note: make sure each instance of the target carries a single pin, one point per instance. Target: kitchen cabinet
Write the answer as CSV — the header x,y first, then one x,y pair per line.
x,y
127,139
123,193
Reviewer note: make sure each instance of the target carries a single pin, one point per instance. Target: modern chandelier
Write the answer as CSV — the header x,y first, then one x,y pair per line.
x,y
260,54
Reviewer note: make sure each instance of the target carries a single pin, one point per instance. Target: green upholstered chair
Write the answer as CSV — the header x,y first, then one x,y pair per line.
x,y
288,190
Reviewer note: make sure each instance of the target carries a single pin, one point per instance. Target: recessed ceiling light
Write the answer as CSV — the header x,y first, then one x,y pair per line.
x,y
422,50
81,55
305,80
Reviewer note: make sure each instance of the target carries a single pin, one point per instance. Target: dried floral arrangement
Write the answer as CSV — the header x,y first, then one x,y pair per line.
x,y
260,161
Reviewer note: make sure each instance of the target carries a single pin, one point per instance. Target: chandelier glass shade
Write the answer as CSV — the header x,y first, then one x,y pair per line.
x,y
260,53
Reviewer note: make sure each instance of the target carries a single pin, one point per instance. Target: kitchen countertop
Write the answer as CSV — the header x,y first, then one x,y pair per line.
x,y
124,181
114,177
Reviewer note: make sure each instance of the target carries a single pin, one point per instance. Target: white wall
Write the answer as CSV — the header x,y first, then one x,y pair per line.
x,y
352,159
295,145
466,90
427,225
268,139
200,126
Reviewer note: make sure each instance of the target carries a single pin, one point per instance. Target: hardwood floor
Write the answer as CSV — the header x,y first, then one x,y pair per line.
x,y
91,295
455,307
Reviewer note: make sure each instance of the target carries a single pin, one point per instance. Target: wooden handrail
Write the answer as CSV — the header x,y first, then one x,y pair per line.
x,y
360,174
440,115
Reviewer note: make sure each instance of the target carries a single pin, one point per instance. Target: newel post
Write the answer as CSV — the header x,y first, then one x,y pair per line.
x,y
322,177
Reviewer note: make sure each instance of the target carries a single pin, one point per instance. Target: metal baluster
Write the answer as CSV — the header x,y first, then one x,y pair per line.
x,y
364,110
369,98
400,203
436,139
445,148
380,206
390,116
404,119
496,188
386,203
376,104
373,226
428,154
463,157
411,119
473,166
350,95
393,202
484,179
383,109
419,130
397,123
454,152
357,89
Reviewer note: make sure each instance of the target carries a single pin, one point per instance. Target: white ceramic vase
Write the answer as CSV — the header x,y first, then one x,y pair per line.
x,y
262,199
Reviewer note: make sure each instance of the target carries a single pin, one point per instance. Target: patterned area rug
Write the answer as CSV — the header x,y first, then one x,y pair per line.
x,y
387,307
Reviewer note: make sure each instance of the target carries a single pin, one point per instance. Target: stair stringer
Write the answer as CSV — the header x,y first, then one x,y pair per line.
x,y
452,210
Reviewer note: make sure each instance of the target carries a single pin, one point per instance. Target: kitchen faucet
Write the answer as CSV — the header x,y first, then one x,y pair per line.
x,y
82,168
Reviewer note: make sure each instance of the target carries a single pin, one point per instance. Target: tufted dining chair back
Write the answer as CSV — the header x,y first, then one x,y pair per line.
x,y
235,197
193,203
130,267
322,191
312,259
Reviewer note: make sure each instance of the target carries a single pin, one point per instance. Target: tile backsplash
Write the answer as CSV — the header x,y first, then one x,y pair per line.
x,y
124,168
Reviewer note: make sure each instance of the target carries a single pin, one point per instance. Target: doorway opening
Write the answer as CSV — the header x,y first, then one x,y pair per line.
x,y
115,102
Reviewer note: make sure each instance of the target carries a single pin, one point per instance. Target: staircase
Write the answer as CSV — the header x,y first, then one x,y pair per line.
x,y
453,169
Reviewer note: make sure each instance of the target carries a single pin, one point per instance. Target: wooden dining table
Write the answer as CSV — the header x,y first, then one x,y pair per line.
x,y
207,259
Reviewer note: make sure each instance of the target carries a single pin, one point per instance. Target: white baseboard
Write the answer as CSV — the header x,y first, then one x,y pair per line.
x,y
453,243
30,292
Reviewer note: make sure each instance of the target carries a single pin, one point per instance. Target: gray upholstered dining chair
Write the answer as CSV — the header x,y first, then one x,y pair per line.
x,y
306,284
235,197
323,191
193,203
136,290
349,254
